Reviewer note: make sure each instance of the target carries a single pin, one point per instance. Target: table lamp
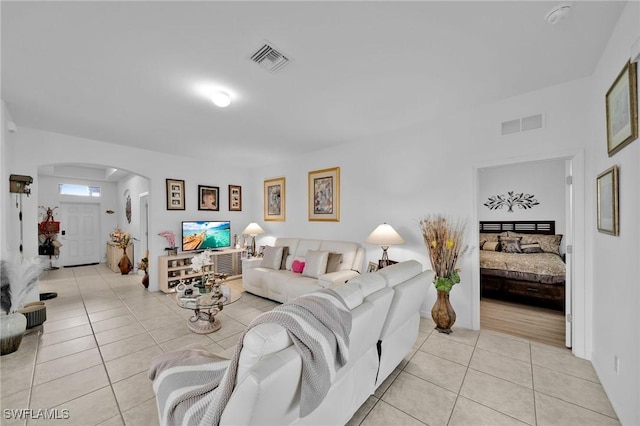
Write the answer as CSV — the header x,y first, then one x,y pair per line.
x,y
253,229
384,235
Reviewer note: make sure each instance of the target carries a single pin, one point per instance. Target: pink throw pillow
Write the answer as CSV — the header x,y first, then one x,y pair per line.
x,y
297,266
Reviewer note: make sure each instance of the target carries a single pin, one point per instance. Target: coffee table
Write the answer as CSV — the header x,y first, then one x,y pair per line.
x,y
206,306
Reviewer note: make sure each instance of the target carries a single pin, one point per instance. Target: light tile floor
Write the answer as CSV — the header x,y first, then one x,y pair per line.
x,y
89,361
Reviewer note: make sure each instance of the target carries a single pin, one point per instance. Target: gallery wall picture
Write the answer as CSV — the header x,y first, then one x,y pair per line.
x,y
208,198
607,201
235,198
622,109
175,194
274,199
324,195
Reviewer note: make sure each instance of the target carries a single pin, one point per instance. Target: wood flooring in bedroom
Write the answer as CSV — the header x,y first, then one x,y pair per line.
x,y
532,323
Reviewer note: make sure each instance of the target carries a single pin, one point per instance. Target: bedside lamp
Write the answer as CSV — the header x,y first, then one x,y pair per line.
x,y
253,229
384,236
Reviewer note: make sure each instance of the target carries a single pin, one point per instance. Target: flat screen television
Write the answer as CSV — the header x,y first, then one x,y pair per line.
x,y
203,235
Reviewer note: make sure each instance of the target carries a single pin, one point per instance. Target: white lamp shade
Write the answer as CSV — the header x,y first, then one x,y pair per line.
x,y
253,229
384,235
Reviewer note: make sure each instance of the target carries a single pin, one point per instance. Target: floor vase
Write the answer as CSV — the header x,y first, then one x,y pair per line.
x,y
442,313
12,328
125,264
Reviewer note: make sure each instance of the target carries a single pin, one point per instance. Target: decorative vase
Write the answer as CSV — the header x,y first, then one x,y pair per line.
x,y
125,264
145,279
442,313
12,328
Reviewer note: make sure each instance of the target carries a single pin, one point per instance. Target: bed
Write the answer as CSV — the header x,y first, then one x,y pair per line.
x,y
520,261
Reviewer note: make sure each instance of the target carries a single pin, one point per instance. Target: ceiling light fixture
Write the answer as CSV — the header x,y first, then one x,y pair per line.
x,y
221,99
558,14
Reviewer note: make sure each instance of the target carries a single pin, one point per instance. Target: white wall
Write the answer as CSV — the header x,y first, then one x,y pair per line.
x,y
9,223
398,178
545,180
616,268
134,186
28,155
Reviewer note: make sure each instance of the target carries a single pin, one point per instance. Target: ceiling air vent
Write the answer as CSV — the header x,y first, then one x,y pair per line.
x,y
523,124
269,58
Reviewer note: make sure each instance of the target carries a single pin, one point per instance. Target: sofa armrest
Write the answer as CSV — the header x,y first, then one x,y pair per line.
x,y
256,262
332,279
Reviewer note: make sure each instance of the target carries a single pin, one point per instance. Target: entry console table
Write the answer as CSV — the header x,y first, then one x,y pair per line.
x,y
172,269
114,254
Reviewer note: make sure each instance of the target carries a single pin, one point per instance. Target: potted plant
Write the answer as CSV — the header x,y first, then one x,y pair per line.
x,y
443,240
18,277
172,250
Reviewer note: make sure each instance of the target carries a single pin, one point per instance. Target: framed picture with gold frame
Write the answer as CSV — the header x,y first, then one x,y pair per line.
x,y
622,109
607,199
274,199
175,194
324,195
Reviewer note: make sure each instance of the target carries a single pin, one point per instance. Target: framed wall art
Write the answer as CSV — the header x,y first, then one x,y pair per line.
x,y
622,109
274,200
324,195
372,267
235,198
607,199
208,198
175,194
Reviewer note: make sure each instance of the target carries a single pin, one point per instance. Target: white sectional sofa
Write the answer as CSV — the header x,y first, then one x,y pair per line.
x,y
272,276
385,318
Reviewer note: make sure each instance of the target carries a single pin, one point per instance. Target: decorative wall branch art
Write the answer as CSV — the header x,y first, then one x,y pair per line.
x,y
522,201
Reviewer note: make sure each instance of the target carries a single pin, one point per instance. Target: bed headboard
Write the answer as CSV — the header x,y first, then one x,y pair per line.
x,y
547,227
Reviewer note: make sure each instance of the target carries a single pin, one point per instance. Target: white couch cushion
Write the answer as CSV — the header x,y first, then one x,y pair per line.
x,y
315,263
400,272
272,257
347,249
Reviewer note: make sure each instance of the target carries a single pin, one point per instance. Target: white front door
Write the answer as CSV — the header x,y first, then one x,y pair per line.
x,y
80,234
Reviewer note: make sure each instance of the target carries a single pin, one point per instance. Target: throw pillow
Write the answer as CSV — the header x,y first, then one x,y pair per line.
x,y
297,266
333,262
315,263
510,244
285,255
548,243
531,248
272,257
491,246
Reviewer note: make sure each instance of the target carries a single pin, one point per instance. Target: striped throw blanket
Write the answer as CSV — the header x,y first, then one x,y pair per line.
x,y
193,387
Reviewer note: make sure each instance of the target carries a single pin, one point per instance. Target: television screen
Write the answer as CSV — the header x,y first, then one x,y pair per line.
x,y
205,235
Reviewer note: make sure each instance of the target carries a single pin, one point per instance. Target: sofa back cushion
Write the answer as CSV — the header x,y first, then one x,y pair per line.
x,y
346,248
292,246
400,272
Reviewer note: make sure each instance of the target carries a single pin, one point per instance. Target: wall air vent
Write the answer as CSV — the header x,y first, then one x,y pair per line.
x,y
524,124
270,58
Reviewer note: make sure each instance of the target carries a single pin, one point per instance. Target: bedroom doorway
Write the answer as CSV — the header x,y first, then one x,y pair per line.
x,y
530,191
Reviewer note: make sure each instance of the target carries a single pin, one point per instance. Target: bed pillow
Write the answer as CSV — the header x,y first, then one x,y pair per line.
x,y
491,246
531,248
487,236
315,263
548,243
272,258
510,244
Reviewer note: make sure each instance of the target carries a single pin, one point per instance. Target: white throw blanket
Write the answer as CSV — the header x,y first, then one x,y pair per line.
x,y
194,388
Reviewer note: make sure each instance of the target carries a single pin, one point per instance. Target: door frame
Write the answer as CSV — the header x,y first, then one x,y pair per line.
x,y
579,300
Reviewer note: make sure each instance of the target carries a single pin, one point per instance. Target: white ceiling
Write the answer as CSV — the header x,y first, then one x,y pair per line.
x,y
129,72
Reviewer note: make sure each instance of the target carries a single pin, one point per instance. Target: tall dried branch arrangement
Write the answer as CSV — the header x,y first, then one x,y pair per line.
x,y
443,238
